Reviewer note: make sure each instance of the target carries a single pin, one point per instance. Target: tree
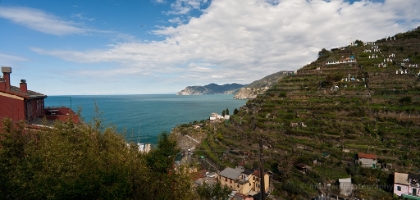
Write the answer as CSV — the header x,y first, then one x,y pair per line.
x,y
405,100
223,113
227,111
213,192
236,111
166,182
358,43
72,161
324,52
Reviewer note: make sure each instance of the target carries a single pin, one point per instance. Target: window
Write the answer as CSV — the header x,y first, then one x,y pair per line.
x,y
398,188
230,180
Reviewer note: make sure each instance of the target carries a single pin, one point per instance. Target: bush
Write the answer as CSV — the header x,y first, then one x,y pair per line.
x,y
405,100
73,161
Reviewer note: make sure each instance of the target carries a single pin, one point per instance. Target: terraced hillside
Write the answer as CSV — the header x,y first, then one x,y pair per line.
x,y
362,98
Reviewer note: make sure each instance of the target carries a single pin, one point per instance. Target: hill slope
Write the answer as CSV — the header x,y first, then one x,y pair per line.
x,y
355,99
260,86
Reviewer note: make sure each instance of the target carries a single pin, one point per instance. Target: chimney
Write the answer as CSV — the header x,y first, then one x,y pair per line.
x,y
6,76
23,86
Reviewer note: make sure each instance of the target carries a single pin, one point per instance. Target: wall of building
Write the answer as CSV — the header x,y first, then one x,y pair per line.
x,y
403,190
12,106
228,182
367,162
256,183
346,188
35,108
252,185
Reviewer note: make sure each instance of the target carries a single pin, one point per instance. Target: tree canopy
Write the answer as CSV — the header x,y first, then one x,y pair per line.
x,y
69,161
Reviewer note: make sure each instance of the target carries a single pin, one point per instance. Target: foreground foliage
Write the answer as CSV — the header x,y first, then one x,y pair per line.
x,y
85,162
213,192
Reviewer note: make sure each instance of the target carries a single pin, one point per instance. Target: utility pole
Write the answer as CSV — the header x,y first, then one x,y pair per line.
x,y
262,185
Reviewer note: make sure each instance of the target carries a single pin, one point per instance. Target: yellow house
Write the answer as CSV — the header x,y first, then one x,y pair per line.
x,y
242,180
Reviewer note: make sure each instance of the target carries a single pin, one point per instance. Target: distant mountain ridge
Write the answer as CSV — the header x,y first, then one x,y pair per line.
x,y
211,88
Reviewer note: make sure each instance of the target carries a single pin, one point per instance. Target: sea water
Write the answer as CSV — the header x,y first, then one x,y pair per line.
x,y
143,117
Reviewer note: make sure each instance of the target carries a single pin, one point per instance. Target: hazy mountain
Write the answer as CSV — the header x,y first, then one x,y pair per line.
x,y
211,89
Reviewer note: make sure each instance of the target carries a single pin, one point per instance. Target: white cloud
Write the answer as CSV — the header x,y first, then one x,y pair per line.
x,y
40,21
176,20
244,40
82,17
181,7
158,1
11,60
50,24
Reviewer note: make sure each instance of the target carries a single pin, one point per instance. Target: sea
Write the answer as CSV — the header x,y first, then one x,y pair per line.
x,y
142,117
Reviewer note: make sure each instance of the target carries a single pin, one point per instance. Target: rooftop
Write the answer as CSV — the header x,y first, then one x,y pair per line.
x,y
344,180
401,178
230,173
368,156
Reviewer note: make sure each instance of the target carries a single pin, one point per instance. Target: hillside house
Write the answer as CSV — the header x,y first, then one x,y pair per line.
x,y
342,61
345,186
242,180
21,104
407,185
369,43
367,160
213,116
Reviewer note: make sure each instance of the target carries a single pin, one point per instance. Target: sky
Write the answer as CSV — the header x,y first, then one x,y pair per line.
x,y
110,47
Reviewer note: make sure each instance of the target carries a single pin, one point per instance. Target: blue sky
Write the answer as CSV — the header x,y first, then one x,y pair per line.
x,y
161,46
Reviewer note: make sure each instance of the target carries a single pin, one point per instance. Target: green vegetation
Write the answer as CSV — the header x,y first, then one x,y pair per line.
x,y
213,192
71,161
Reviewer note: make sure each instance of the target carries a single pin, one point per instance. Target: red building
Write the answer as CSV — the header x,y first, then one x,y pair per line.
x,y
19,103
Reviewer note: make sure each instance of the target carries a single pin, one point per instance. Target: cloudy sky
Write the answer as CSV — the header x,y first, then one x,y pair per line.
x,y
161,46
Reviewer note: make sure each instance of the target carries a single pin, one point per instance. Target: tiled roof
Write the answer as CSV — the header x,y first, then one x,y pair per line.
x,y
30,92
230,173
368,156
401,178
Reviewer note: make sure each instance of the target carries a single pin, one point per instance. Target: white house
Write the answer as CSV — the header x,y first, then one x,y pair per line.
x,y
367,160
345,186
407,185
213,116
